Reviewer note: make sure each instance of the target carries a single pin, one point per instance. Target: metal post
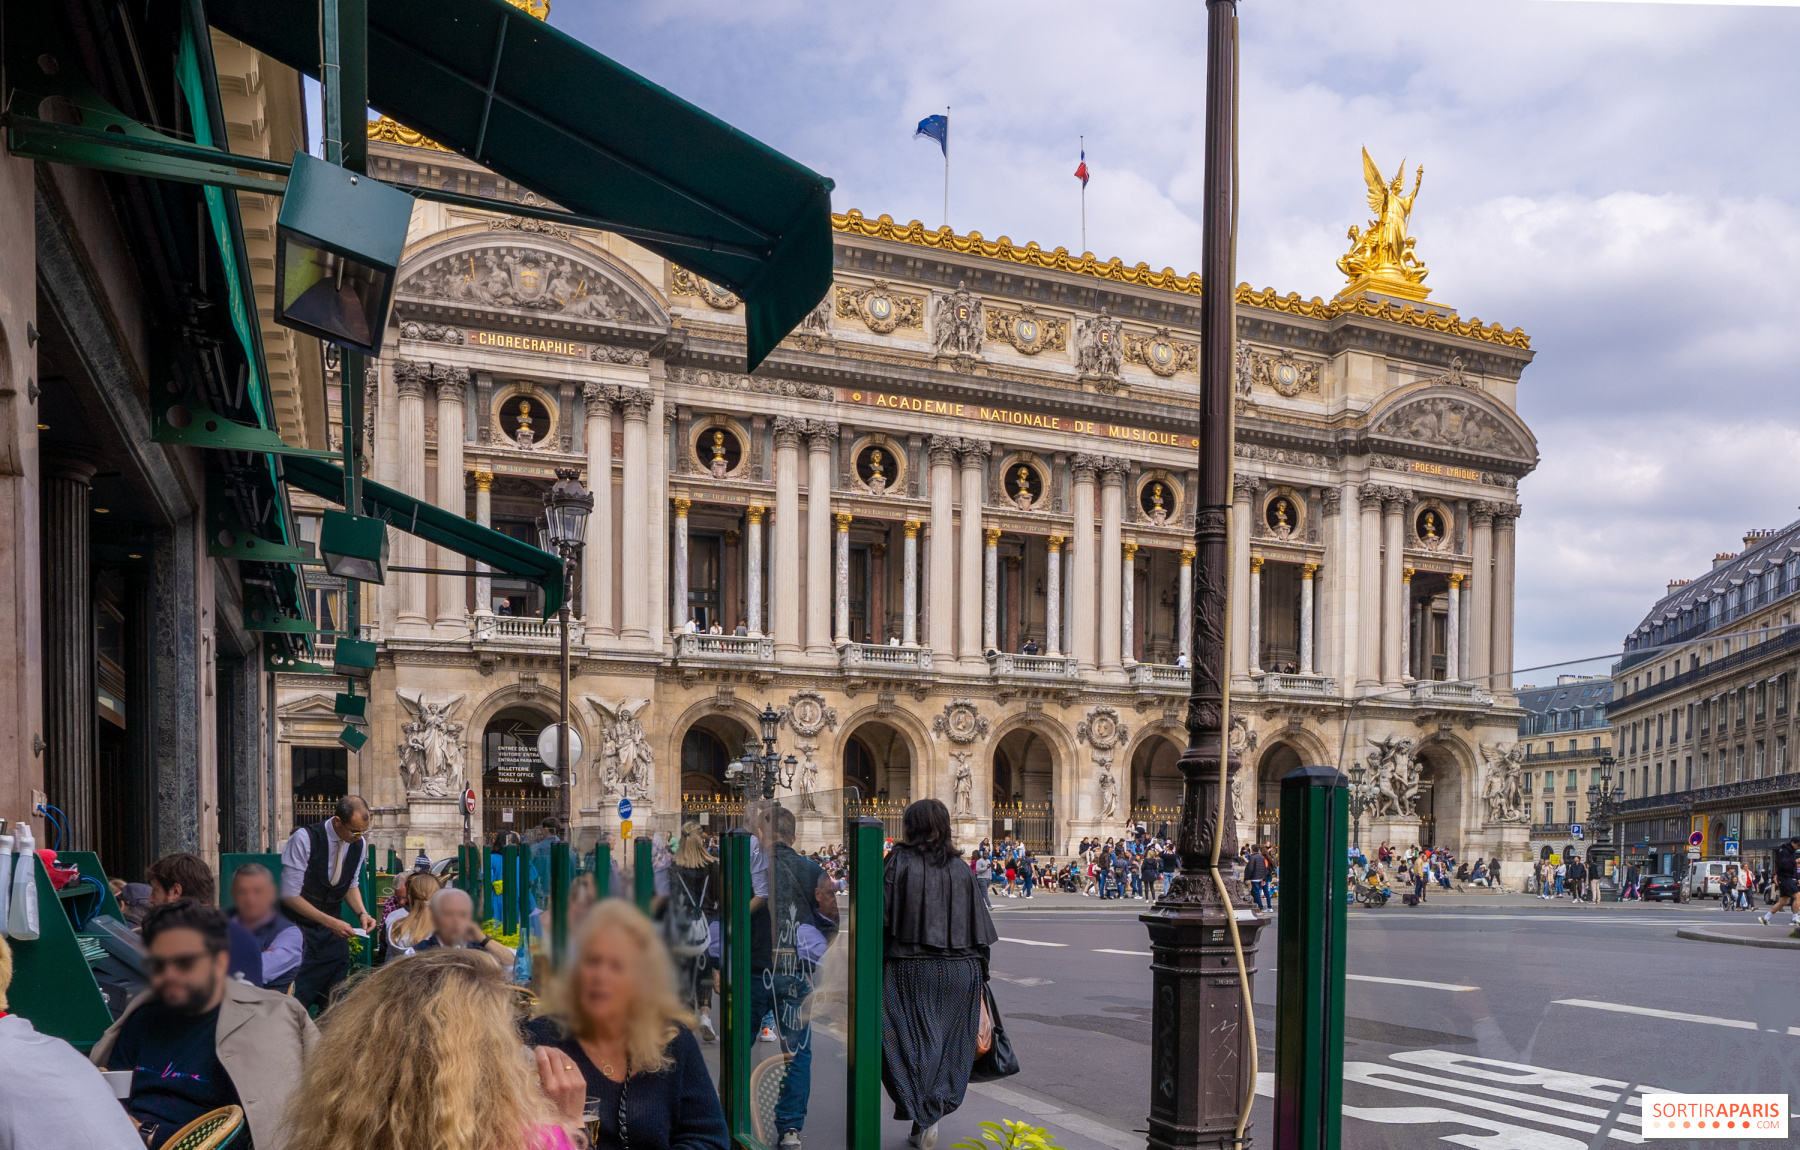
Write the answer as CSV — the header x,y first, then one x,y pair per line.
x,y
484,888
564,777
603,870
509,889
1202,1043
863,1046
1309,1002
643,875
734,1004
560,870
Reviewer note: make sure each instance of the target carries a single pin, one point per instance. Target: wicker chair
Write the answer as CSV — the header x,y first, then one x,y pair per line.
x,y
210,1131
766,1079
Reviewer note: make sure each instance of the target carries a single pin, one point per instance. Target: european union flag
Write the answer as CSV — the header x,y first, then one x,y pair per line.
x,y
936,128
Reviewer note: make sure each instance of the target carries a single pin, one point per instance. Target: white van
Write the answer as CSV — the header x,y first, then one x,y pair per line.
x,y
1703,878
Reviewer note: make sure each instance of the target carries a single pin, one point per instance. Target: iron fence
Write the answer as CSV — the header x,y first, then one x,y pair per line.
x,y
1033,824
312,809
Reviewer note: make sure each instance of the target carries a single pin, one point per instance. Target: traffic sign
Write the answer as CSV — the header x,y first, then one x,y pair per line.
x,y
469,801
1731,848
625,828
1575,829
624,808
1696,838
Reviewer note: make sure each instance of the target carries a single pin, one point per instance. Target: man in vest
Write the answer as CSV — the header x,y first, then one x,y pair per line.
x,y
319,870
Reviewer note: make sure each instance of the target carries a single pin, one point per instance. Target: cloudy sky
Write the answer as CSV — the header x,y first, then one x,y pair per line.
x,y
1619,179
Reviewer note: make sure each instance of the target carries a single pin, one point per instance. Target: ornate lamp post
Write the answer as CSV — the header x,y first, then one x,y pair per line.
x,y
1603,806
1359,802
563,530
756,775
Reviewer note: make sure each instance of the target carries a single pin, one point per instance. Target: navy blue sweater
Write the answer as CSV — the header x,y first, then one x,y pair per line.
x,y
677,1109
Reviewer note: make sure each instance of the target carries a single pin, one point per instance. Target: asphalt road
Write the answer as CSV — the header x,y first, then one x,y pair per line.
x,y
1493,1021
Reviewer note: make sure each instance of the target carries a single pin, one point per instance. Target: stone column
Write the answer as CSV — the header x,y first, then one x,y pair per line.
x,y
1452,620
784,550
1393,591
1112,504
878,628
635,543
1127,592
1185,595
1013,624
819,441
452,496
990,589
1053,596
597,556
1243,495
484,515
1256,566
1409,642
753,557
926,629
972,453
909,586
1481,591
678,581
1368,661
1080,619
942,555
1504,537
408,549
842,519
1306,617
68,637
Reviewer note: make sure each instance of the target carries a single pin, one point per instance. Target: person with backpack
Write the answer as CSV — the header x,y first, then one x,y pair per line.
x,y
690,922
790,929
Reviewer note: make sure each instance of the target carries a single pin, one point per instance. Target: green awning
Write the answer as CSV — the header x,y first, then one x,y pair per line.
x,y
539,107
506,555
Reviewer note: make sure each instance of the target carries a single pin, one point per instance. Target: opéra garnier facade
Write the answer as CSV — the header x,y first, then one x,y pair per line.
x,y
945,531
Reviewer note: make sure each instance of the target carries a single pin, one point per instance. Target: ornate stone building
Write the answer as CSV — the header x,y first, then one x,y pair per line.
x,y
945,530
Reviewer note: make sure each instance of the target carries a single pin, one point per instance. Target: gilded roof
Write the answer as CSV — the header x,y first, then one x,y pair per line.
x,y
1031,254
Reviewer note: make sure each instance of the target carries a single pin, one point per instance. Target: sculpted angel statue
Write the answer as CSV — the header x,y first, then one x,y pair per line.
x,y
431,759
626,761
1385,251
1502,789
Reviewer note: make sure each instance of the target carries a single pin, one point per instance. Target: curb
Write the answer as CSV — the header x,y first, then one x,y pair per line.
x,y
1702,934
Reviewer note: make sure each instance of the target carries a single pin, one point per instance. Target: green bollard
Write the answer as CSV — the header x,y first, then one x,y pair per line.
x,y
509,889
393,861
643,875
863,1085
737,1028
1309,983
603,871
559,902
484,885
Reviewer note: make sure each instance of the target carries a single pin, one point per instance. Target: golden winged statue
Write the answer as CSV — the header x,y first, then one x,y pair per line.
x,y
1381,259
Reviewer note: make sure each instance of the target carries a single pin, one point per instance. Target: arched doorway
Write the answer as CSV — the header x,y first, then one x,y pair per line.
x,y
1277,762
1156,784
1440,800
1024,772
706,748
878,763
513,794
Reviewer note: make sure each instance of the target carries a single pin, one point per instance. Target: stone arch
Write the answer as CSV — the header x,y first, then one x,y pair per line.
x,y
1281,755
922,761
542,707
438,269
1069,773
669,734
1151,754
1448,797
877,759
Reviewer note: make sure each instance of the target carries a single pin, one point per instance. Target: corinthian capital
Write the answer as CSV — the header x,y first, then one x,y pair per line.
x,y
452,384
636,402
1084,465
820,433
410,377
788,431
599,396
942,448
1245,487
973,451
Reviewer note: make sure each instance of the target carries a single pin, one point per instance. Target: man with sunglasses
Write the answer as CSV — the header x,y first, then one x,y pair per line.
x,y
198,1039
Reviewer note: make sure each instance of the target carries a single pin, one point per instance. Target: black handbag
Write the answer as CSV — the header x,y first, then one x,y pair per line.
x,y
999,1062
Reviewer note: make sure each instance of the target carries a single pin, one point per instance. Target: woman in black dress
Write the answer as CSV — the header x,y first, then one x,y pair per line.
x,y
936,941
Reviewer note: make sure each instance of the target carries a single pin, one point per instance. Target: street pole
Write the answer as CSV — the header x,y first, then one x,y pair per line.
x,y
1202,1043
564,777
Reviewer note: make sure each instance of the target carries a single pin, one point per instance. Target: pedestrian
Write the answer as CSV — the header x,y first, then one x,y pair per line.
x,y
1728,889
178,876
1561,872
1029,873
1150,871
696,885
320,868
936,937
1577,877
803,899
253,908
1786,880
1256,872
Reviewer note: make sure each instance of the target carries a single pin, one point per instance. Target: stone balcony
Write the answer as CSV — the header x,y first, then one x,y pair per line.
x,y
871,660
1007,665
1284,684
1468,694
1161,677
723,649
523,630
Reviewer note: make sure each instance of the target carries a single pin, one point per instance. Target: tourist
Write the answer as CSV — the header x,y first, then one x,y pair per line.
x,y
618,1017
1256,873
178,876
935,939
411,923
1787,881
320,868
798,892
198,1039
696,887
425,1053
254,908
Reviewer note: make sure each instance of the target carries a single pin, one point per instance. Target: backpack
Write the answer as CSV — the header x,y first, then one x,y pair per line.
x,y
685,931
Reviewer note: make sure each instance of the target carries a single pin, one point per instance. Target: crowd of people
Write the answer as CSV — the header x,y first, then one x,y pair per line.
x,y
1416,869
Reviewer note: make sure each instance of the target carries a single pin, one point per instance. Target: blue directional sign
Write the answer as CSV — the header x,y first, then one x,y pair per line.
x,y
1575,829
624,808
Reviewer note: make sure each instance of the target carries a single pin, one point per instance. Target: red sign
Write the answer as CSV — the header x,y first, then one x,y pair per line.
x,y
469,801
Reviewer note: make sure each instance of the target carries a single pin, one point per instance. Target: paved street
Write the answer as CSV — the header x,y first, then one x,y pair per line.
x,y
1471,1017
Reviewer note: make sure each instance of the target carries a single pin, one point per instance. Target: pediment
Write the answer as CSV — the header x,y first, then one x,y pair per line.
x,y
313,706
544,276
1454,419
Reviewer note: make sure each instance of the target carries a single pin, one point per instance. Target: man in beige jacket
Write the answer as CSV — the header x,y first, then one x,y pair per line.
x,y
198,1039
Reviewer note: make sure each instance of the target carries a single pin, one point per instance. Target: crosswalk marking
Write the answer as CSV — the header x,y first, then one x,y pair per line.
x,y
1670,1015
1031,942
1137,953
1409,982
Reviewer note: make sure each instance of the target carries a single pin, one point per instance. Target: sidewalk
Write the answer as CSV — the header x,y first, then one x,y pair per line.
x,y
1778,935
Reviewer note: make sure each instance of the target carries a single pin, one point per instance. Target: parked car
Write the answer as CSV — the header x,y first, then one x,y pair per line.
x,y
1662,888
1703,878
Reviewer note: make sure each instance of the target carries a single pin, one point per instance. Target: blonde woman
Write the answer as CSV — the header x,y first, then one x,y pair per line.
x,y
411,924
424,1054
616,1016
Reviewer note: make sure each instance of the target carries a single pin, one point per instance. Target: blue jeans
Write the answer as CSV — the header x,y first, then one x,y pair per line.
x,y
1137,883
1259,893
786,996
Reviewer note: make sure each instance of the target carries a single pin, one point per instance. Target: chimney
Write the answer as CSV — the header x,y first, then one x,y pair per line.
x,y
1676,585
1754,536
1723,558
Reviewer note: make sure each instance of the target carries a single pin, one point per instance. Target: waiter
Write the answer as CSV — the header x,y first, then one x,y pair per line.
x,y
320,867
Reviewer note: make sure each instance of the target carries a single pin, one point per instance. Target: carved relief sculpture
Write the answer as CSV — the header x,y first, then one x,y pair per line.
x,y
684,282
1161,352
1102,729
1099,351
431,758
1449,422
960,722
1502,788
1109,786
1394,774
1279,373
957,324
962,784
1027,331
528,279
806,777
627,764
880,308
808,715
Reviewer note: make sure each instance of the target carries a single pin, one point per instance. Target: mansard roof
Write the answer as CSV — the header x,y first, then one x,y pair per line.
x,y
1775,549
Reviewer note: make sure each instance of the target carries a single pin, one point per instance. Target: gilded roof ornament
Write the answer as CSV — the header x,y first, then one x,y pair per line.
x,y
1381,260
538,8
391,131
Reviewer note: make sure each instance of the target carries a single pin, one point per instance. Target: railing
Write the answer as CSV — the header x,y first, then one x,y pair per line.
x,y
1553,756
879,658
313,809
1729,662
1549,830
485,628
1033,824
715,815
888,811
734,648
1451,692
1033,666
1283,683
1162,675
1155,817
1743,789
518,811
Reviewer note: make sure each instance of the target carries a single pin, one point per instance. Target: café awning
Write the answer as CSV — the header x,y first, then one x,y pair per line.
x,y
536,106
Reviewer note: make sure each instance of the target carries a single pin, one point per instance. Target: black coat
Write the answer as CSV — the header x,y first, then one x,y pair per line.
x,y
934,907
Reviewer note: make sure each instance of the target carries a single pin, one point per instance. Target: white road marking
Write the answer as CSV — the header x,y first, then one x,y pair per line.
x,y
1031,942
1671,1015
1057,1116
1409,982
1137,953
1017,981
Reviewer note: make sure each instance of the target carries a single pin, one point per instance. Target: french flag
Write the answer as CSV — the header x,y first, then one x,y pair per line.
x,y
1081,172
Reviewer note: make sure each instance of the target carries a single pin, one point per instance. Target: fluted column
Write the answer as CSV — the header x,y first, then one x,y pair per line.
x,y
753,558
452,496
1452,620
1256,566
484,516
1481,591
842,519
1409,642
1127,593
1306,617
972,453
784,549
597,556
678,581
68,637
941,557
1112,504
409,549
1185,605
1504,537
1080,622
820,437
1368,662
909,586
1243,495
990,589
635,541
1393,589
1053,596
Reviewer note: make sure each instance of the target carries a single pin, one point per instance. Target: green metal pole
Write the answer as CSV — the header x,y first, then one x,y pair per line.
x,y
484,892
734,1003
643,875
559,902
603,870
509,889
1309,982
867,916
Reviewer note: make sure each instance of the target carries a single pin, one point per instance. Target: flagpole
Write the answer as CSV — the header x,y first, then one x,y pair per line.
x,y
1084,246
946,165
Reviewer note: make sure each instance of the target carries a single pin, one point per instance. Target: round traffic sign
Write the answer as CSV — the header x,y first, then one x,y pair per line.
x,y
1696,838
549,745
468,802
624,808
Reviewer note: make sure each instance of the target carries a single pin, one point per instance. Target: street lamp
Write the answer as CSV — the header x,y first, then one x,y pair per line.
x,y
1359,802
563,530
761,769
1603,803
